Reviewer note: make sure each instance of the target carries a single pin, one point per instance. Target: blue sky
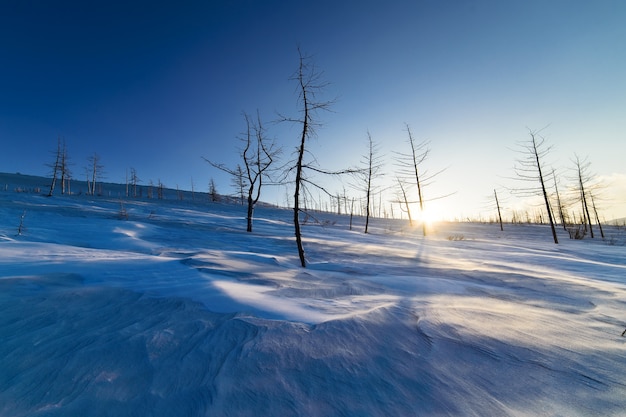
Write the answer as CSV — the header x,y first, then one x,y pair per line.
x,y
159,85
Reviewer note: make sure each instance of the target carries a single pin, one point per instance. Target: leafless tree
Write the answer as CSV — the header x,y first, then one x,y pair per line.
x,y
530,168
259,155
371,166
213,191
404,200
585,190
310,86
94,170
160,187
495,194
60,168
559,202
239,182
134,180
410,169
66,174
56,167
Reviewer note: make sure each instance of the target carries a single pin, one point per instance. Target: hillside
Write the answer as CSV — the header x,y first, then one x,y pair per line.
x,y
173,309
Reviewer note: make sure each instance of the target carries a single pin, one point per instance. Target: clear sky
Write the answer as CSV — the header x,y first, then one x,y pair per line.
x,y
158,85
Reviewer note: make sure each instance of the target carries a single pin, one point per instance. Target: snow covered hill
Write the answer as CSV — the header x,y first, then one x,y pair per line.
x,y
122,307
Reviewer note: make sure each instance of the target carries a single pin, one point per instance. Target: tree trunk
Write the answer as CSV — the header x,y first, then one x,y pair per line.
x,y
499,214
543,190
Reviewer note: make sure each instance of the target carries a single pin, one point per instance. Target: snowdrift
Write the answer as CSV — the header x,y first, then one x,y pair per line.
x,y
172,309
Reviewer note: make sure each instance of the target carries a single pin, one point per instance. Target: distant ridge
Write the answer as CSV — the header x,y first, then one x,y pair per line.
x,y
25,183
40,185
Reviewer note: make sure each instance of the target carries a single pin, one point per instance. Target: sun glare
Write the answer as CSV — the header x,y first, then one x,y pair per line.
x,y
429,217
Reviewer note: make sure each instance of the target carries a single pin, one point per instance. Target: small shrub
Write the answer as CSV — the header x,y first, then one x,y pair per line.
x,y
122,214
577,233
21,227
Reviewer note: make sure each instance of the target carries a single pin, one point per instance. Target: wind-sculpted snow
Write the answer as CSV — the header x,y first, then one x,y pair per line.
x,y
175,310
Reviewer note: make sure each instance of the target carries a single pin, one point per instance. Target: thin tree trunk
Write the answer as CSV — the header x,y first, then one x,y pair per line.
x,y
593,204
499,214
296,195
543,189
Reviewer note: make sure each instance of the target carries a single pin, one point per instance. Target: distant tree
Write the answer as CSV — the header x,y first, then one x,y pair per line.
x,y
403,199
239,182
213,191
595,210
559,202
586,187
134,180
66,174
495,194
530,168
56,167
410,170
94,170
371,169
160,187
150,189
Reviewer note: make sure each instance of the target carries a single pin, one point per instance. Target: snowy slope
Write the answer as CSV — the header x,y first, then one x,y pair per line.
x,y
114,307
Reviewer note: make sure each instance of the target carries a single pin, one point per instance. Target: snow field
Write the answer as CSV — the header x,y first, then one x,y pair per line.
x,y
176,310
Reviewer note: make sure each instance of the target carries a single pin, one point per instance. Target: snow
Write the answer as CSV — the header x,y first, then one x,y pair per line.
x,y
176,310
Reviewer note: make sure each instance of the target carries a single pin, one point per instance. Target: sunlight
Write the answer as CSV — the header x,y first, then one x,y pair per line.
x,y
429,216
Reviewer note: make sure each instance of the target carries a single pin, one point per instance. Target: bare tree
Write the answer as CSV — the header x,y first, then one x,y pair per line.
x,y
585,190
95,171
410,165
495,193
372,165
559,202
134,180
160,187
583,178
213,191
239,182
309,86
530,168
56,167
65,170
258,155
404,200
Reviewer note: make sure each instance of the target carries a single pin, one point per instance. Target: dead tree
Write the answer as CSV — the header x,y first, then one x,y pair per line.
x,y
371,167
56,167
309,86
258,154
593,204
530,168
239,182
94,170
559,203
410,170
134,180
498,207
65,170
404,200
213,191
583,178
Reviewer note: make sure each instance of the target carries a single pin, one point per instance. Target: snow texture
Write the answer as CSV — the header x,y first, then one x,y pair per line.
x,y
172,309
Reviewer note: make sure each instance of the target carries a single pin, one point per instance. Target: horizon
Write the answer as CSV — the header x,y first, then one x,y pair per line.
x,y
148,193
157,87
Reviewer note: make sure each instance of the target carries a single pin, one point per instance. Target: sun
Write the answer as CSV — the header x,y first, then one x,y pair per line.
x,y
428,216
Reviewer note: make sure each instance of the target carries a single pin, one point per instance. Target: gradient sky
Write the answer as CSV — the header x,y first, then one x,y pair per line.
x,y
158,85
